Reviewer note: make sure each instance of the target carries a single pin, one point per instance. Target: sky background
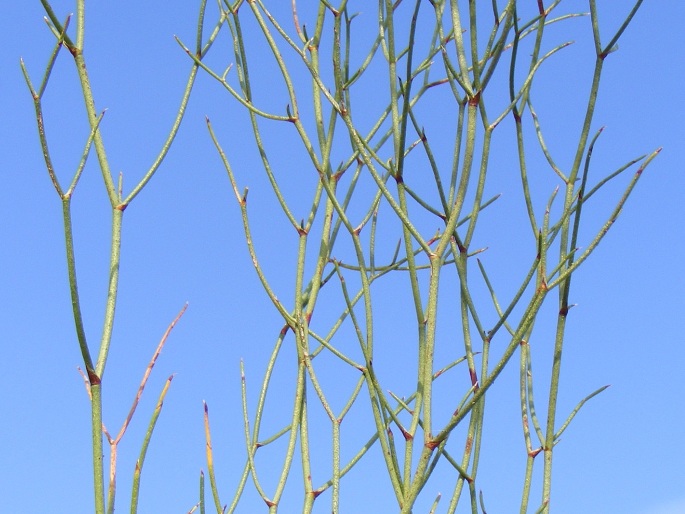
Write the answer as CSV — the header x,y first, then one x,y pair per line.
x,y
183,242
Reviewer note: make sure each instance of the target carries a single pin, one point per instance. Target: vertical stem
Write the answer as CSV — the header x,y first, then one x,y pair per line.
x,y
110,307
80,23
96,432
424,378
564,288
73,286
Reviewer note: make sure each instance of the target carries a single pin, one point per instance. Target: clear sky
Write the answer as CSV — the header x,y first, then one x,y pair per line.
x,y
183,242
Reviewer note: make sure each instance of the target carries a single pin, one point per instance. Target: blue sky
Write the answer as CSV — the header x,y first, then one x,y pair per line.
x,y
183,242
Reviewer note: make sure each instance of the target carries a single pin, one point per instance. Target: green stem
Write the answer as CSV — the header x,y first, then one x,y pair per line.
x,y
110,307
96,433
73,286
